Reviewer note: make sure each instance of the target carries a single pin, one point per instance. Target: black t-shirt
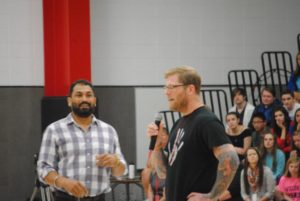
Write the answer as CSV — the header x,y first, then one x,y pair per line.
x,y
192,166
238,140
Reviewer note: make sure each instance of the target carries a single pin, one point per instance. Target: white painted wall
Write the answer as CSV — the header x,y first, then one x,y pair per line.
x,y
149,101
135,41
21,43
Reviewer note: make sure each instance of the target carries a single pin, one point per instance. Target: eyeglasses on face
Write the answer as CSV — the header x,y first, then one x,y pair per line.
x,y
173,86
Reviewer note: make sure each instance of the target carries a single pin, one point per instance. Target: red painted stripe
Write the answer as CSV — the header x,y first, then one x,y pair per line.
x,y
67,46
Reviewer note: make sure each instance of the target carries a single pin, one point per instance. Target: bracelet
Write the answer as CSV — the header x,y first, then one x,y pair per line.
x,y
55,179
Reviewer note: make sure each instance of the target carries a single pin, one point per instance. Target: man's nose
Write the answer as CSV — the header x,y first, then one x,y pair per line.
x,y
84,97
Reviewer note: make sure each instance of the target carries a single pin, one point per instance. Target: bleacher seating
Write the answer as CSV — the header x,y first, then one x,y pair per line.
x,y
277,67
247,79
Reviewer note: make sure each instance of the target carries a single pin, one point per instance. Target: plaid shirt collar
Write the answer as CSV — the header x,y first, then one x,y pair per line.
x,y
70,120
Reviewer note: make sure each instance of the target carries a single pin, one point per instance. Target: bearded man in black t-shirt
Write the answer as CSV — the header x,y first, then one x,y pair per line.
x,y
199,161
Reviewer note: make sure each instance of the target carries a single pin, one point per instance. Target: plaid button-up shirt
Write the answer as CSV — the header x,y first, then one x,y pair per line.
x,y
71,151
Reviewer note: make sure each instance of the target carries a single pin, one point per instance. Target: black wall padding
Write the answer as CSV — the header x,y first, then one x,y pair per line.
x,y
55,108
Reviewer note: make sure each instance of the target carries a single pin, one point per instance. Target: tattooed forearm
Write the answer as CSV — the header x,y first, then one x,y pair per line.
x,y
228,164
158,162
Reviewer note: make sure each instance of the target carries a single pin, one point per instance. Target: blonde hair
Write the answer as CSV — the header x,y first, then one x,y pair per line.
x,y
186,75
291,160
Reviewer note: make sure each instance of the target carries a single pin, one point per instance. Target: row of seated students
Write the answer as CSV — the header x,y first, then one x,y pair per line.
x,y
246,123
272,132
267,140
282,117
254,180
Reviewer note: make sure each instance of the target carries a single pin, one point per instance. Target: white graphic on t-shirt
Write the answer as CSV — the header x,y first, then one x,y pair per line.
x,y
178,143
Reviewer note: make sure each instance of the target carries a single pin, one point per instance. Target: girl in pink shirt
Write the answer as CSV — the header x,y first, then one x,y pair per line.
x,y
289,184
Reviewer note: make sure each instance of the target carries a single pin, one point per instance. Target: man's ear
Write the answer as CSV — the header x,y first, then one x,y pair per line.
x,y
191,89
96,101
69,101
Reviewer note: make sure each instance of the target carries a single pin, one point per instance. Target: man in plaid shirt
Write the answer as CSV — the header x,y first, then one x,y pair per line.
x,y
79,153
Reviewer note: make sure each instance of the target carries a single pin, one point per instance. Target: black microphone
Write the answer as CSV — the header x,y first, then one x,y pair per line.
x,y
157,121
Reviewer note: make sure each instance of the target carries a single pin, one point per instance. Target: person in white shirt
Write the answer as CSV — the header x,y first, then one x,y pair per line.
x,y
289,102
241,106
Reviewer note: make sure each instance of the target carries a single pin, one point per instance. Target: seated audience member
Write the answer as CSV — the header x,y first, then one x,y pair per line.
x,y
289,185
241,106
257,182
296,145
268,102
153,185
259,126
294,81
296,121
239,135
272,157
233,193
281,128
289,102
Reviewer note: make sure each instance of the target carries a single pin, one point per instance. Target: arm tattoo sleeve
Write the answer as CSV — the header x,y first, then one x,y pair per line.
x,y
228,164
158,161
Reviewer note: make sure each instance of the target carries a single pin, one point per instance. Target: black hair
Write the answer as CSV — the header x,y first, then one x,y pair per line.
x,y
258,115
81,82
287,91
287,120
233,113
237,91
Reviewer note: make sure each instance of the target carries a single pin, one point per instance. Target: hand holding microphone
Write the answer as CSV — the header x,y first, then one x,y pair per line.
x,y
153,130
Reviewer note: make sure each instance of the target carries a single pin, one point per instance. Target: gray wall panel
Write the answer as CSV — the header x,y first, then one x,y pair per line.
x,y
117,107
20,138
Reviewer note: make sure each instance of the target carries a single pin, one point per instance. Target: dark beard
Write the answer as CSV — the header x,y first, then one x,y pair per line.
x,y
85,112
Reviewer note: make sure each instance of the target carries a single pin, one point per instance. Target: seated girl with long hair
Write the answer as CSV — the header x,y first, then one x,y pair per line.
x,y
272,156
239,135
289,185
257,183
281,127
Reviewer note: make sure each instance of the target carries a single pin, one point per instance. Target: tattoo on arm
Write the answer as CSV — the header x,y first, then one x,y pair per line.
x,y
228,164
158,161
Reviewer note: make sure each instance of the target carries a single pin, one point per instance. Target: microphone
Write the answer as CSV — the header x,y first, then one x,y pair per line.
x,y
157,121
